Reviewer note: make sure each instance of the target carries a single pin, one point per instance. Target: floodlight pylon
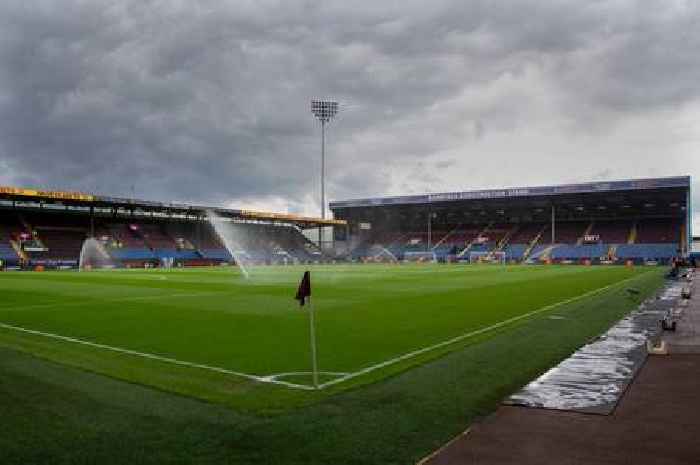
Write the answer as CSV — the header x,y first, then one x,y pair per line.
x,y
324,111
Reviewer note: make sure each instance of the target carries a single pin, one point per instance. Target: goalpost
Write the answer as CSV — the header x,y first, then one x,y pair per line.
x,y
497,257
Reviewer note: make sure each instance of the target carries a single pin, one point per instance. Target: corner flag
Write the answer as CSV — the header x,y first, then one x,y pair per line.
x,y
304,290
304,293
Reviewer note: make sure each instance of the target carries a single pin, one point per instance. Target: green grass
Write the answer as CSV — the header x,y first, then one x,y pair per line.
x,y
366,315
53,413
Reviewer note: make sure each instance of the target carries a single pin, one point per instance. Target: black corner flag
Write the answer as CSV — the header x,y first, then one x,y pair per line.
x,y
304,290
303,293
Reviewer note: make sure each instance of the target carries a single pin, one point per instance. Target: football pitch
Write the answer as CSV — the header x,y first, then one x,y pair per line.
x,y
213,334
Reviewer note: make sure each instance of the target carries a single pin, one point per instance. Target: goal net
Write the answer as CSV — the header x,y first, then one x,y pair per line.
x,y
497,258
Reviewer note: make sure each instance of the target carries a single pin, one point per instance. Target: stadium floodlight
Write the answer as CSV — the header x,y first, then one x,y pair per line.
x,y
324,111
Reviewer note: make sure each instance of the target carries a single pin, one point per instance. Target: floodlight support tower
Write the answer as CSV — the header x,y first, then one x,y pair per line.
x,y
324,111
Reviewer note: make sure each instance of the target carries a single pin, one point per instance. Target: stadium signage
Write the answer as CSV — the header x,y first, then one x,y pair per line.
x,y
60,195
140,205
608,186
591,238
34,249
493,194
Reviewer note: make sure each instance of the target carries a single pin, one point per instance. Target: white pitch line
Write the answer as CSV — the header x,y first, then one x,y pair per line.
x,y
299,373
261,379
486,329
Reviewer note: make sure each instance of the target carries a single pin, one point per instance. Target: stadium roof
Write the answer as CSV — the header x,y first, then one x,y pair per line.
x,y
524,193
33,198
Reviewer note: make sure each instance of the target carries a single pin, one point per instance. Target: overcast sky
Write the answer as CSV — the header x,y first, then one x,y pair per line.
x,y
208,102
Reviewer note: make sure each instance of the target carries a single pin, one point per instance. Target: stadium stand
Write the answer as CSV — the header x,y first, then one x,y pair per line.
x,y
612,232
497,233
658,231
515,252
8,254
591,225
612,222
569,232
61,243
579,252
576,241
56,239
527,233
539,252
647,252
464,236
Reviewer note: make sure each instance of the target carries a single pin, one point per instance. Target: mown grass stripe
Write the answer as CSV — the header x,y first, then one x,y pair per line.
x,y
462,337
156,357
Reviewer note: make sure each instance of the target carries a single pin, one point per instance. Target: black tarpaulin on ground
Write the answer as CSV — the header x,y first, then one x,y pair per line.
x,y
594,378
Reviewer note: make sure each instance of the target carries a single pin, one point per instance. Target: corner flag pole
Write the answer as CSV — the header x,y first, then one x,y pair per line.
x,y
312,332
303,296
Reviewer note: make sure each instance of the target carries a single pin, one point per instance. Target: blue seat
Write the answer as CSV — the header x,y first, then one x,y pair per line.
x,y
176,254
216,254
8,254
579,252
485,247
646,251
515,251
538,250
131,254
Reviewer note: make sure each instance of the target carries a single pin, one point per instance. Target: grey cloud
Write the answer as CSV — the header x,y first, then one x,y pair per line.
x,y
442,164
209,102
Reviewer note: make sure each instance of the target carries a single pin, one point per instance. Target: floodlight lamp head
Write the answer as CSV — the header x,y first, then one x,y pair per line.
x,y
324,110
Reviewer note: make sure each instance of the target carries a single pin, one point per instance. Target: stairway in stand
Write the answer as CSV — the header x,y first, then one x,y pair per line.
x,y
533,243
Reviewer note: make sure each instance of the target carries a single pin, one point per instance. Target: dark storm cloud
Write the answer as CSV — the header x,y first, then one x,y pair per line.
x,y
208,102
